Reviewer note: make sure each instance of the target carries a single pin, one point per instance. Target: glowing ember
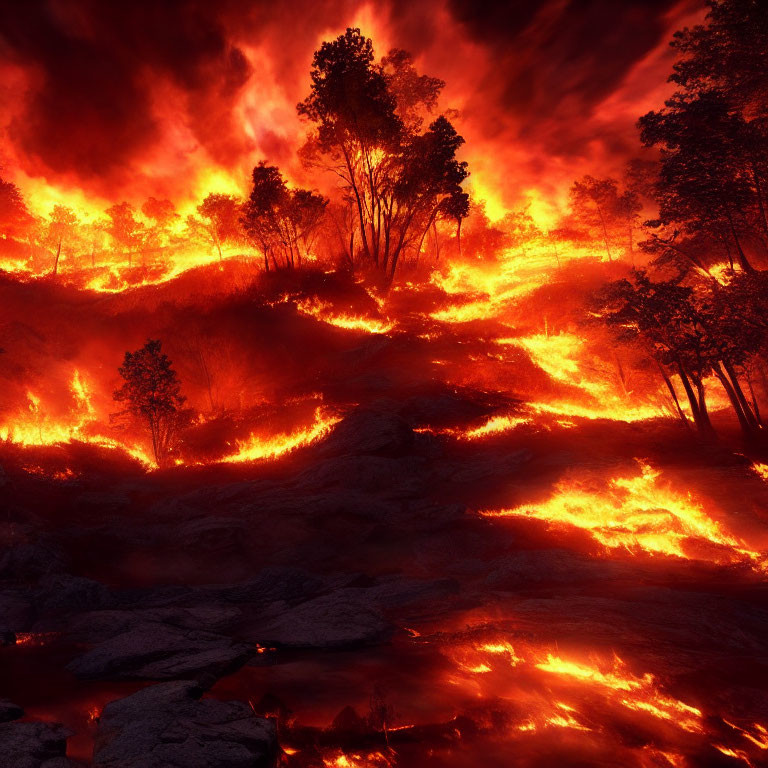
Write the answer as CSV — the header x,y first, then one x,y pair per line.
x,y
637,513
35,639
358,760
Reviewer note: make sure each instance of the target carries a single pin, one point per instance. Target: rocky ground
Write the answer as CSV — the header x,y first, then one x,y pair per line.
x,y
245,615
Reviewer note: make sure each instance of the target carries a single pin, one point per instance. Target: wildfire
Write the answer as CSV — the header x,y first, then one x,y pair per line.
x,y
357,760
561,357
325,313
562,691
493,425
637,513
639,693
258,447
484,290
758,734
35,427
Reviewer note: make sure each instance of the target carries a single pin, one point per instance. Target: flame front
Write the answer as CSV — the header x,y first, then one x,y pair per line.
x,y
637,513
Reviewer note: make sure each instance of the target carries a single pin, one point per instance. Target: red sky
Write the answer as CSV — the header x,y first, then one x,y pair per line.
x,y
125,100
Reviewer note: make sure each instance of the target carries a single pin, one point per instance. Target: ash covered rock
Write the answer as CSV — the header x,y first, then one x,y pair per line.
x,y
9,711
34,745
169,726
30,558
64,593
370,431
404,477
97,626
156,651
345,618
16,613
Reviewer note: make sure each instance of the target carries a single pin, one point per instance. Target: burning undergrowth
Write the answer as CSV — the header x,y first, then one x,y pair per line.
x,y
356,471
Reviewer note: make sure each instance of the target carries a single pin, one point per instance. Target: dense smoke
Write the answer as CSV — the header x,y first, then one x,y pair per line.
x,y
148,98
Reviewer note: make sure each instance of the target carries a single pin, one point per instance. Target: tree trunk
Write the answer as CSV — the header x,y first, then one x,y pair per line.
x,y
746,428
760,200
458,235
675,399
698,409
56,260
743,261
755,405
739,392
605,231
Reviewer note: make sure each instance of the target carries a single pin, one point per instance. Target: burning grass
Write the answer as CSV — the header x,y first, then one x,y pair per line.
x,y
637,513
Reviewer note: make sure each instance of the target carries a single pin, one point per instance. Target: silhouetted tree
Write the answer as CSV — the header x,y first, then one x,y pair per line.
x,y
152,393
455,207
693,332
278,219
663,318
415,95
593,202
713,133
395,177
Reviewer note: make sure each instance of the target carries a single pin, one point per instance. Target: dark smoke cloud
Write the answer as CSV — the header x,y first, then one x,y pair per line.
x,y
95,67
109,81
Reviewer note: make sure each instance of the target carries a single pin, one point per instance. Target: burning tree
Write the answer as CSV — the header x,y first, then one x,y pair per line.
x,y
152,392
15,218
281,220
368,117
162,214
60,229
220,219
599,205
125,229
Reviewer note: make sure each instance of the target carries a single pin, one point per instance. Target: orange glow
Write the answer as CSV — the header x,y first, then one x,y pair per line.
x,y
558,685
258,447
326,314
357,760
34,639
637,513
37,427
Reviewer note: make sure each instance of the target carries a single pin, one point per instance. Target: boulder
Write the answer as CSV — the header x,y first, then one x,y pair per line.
x,y
169,726
15,612
155,651
64,593
345,618
9,711
369,431
33,745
